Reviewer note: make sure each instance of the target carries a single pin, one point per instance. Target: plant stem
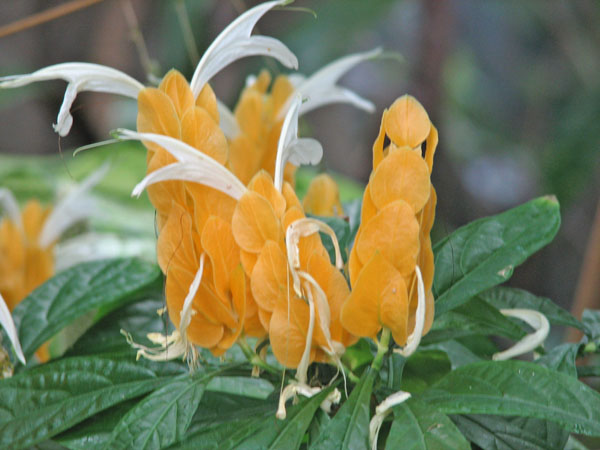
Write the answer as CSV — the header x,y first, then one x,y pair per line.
x,y
254,359
382,348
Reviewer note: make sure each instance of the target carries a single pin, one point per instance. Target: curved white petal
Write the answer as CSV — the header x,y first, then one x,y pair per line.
x,y
74,207
227,121
9,204
290,148
186,310
537,321
414,339
381,412
236,42
7,323
81,77
321,88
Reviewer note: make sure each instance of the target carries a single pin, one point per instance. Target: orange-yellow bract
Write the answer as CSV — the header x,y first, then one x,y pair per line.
x,y
24,263
323,197
396,219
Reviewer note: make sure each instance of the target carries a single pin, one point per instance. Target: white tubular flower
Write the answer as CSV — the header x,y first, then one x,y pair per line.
x,y
193,166
321,88
9,204
381,412
537,321
414,339
186,310
302,369
81,77
7,323
236,42
291,148
74,207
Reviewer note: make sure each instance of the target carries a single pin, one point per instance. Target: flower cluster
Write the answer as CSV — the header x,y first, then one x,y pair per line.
x,y
240,256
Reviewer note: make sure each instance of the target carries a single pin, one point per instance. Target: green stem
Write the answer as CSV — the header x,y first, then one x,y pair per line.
x,y
382,348
254,359
351,375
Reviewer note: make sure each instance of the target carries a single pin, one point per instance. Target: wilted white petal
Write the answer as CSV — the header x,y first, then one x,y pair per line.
x,y
290,148
227,121
186,310
9,204
81,77
74,207
414,339
193,166
302,369
321,88
381,412
537,321
305,227
236,42
7,323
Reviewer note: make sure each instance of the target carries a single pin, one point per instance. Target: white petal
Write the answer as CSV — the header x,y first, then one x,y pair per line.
x,y
186,310
193,166
74,207
537,321
227,121
321,89
235,42
302,369
290,148
381,412
7,323
81,77
9,204
414,339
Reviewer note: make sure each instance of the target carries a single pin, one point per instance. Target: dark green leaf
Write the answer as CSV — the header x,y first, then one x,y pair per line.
x,y
561,358
518,388
424,368
588,371
358,354
591,321
244,386
392,372
505,297
349,428
419,426
41,402
163,417
279,434
505,433
474,317
484,253
72,293
319,423
342,232
458,354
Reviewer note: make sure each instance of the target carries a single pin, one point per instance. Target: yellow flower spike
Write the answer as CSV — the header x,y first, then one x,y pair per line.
x,y
262,183
403,174
157,114
323,197
239,301
394,232
379,299
406,122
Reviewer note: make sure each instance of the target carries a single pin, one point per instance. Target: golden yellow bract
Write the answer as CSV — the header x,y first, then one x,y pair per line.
x,y
393,239
323,197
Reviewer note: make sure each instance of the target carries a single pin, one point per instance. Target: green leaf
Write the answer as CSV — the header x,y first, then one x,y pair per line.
x,y
423,369
484,253
341,229
244,386
507,298
458,354
419,426
591,322
72,293
518,388
561,358
505,433
358,355
474,317
319,423
349,428
40,403
279,434
163,417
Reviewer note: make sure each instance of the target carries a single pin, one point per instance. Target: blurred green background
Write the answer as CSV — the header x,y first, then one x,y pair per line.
x,y
512,86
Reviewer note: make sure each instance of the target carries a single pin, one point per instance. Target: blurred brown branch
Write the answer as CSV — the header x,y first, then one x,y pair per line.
x,y
45,16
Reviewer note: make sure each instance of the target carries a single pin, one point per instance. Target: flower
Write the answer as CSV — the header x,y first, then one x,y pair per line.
x,y
391,262
323,197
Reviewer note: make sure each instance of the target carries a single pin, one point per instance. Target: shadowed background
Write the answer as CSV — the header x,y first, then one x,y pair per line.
x,y
513,88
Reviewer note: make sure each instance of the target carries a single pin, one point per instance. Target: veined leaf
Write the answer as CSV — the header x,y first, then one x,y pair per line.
x,y
561,358
244,386
349,428
484,253
458,354
506,297
40,403
419,426
88,286
591,322
518,388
